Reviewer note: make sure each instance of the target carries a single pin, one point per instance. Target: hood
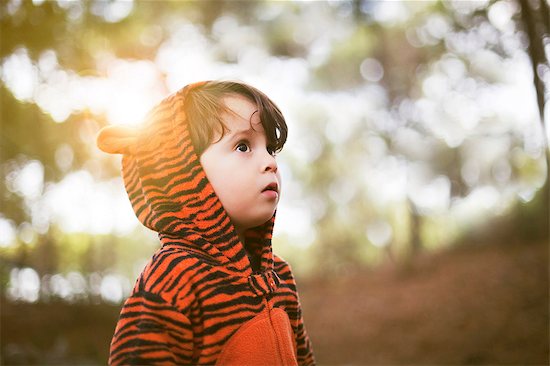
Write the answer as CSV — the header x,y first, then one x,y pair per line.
x,y
170,193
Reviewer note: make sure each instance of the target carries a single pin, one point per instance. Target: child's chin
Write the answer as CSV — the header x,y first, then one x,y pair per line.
x,y
261,221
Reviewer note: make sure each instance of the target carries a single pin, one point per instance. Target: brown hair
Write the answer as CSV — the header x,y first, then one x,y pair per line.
x,y
204,107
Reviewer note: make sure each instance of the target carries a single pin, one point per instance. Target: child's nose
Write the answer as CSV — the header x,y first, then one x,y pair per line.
x,y
270,164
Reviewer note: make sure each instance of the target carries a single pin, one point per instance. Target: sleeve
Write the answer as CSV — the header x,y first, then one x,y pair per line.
x,y
303,344
151,331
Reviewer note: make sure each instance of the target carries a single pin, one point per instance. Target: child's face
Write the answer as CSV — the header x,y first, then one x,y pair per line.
x,y
241,167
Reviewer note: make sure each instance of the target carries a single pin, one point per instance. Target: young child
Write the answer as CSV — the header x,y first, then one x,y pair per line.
x,y
202,173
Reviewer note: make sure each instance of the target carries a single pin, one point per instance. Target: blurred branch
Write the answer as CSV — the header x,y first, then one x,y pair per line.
x,y
536,25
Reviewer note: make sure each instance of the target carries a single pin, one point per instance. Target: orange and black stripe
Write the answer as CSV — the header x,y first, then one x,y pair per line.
x,y
198,301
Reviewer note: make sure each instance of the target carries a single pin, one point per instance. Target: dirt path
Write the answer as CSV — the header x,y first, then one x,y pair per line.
x,y
473,305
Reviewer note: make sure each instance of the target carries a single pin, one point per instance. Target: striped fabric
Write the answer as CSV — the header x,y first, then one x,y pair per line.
x,y
199,294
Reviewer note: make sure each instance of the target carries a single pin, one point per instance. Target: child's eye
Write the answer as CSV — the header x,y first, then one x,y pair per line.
x,y
242,147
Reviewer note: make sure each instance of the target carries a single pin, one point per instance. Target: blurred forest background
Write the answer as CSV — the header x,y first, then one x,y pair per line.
x,y
415,205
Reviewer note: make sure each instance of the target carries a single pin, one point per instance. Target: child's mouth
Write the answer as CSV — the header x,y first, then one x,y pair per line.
x,y
271,187
272,190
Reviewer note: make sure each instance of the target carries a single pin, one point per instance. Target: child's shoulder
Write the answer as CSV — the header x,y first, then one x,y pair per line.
x,y
173,260
281,266
279,261
171,271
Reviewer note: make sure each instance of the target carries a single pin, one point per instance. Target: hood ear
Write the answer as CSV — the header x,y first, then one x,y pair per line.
x,y
117,139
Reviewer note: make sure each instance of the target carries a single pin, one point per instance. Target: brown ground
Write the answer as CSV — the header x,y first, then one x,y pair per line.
x,y
473,305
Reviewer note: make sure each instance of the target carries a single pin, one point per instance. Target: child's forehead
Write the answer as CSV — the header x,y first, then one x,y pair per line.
x,y
240,106
242,115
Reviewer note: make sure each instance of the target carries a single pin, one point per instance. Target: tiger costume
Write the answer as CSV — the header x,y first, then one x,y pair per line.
x,y
198,300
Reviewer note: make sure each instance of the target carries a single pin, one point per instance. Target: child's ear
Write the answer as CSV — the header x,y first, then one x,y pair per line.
x,y
117,139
